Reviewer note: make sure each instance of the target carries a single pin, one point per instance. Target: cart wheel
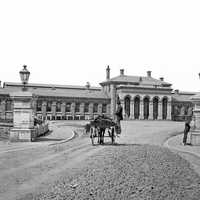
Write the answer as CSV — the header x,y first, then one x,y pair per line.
x,y
92,135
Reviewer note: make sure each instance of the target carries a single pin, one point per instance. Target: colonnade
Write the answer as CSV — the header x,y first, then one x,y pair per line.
x,y
146,108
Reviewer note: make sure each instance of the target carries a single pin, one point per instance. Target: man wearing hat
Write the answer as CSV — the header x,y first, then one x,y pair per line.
x,y
119,116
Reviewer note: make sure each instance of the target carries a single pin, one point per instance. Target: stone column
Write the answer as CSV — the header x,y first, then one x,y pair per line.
x,y
91,110
53,108
123,109
73,109
151,110
113,100
132,109
160,110
169,106
23,118
63,105
141,110
100,108
44,109
82,108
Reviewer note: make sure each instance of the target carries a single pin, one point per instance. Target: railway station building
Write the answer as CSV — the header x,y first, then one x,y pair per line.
x,y
142,98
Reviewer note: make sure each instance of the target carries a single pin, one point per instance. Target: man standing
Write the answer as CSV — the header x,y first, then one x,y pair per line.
x,y
186,130
119,116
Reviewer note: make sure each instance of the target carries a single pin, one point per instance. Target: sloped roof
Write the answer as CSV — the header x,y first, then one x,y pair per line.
x,y
183,96
140,80
42,85
65,91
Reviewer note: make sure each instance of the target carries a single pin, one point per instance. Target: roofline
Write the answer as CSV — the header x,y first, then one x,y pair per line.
x,y
143,87
131,83
41,85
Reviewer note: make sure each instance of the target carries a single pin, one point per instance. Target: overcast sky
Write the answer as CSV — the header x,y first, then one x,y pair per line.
x,y
72,41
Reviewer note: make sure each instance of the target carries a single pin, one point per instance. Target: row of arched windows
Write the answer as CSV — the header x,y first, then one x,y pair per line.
x,y
68,107
143,107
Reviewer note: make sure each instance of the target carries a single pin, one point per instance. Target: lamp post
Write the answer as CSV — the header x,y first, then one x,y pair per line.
x,y
24,75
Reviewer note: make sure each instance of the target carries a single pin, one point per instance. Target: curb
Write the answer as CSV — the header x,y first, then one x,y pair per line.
x,y
74,135
166,144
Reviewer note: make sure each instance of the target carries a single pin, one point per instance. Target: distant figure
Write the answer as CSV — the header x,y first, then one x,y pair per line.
x,y
119,116
186,130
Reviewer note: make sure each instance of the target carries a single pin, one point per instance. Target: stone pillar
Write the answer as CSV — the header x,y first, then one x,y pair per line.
x,y
91,110
44,109
53,108
82,108
63,105
132,109
160,110
123,109
141,110
23,118
113,100
169,107
73,109
100,108
151,110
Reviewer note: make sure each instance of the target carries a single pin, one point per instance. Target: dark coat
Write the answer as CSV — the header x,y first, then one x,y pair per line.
x,y
187,128
118,113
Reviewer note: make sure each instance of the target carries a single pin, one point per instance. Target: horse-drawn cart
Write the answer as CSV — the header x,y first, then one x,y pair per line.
x,y
102,127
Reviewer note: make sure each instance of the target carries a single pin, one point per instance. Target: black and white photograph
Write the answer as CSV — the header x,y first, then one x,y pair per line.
x,y
99,100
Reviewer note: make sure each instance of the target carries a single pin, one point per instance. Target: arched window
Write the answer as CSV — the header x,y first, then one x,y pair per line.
x,y
68,107
164,108
127,106
39,106
8,105
95,108
86,107
77,107
104,108
146,108
49,106
137,107
155,108
58,107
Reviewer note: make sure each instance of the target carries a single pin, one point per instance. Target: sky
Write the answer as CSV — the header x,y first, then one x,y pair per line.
x,y
71,42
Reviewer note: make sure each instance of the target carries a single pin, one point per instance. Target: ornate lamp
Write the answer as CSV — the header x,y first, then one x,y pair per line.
x,y
24,75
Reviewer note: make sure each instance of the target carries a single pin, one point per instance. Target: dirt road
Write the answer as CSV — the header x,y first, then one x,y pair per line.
x,y
24,174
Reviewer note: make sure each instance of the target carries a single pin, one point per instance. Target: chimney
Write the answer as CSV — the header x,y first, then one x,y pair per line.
x,y
176,91
162,78
148,73
108,73
87,86
121,72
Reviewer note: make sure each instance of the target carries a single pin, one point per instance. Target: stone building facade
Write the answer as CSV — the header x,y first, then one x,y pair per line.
x,y
142,97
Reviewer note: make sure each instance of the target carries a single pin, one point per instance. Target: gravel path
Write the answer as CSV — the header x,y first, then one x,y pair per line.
x,y
127,172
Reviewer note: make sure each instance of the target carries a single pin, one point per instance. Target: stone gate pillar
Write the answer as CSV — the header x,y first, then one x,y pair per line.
x,y
23,118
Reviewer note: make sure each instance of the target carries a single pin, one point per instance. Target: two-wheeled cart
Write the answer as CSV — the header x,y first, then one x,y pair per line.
x,y
102,127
